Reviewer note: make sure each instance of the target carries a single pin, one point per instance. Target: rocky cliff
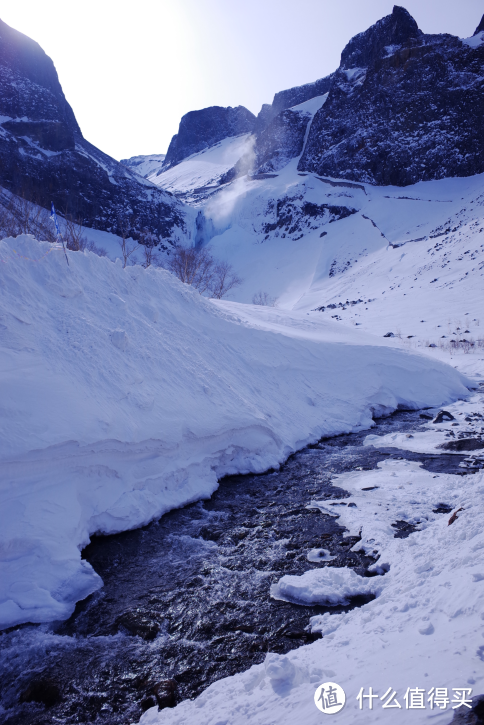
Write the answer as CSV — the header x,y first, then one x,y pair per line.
x,y
199,130
44,157
281,141
289,98
402,107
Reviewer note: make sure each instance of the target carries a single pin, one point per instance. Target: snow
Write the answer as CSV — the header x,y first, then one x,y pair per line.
x,y
318,555
126,394
329,586
204,168
357,74
475,41
311,106
145,166
436,435
417,253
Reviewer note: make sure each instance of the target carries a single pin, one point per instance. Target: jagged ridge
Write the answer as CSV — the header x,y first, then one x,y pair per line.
x,y
403,107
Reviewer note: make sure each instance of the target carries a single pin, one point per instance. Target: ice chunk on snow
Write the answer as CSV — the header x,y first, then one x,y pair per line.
x,y
330,586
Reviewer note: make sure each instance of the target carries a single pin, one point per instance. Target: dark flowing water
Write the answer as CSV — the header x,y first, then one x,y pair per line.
x,y
186,599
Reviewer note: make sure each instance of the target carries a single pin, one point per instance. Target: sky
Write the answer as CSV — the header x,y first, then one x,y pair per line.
x,y
130,70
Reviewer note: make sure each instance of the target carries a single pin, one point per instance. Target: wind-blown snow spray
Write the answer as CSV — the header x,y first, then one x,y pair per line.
x,y
221,206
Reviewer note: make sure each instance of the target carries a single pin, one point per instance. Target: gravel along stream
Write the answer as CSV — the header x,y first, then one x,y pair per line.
x,y
186,599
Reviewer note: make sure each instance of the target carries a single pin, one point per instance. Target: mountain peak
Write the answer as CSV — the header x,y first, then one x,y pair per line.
x,y
480,27
204,128
395,29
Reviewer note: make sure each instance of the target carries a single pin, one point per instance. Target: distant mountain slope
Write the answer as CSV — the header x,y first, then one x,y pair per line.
x,y
145,166
200,175
44,157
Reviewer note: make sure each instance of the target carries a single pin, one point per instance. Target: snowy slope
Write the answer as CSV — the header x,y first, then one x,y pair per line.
x,y
417,253
198,177
125,394
203,169
145,166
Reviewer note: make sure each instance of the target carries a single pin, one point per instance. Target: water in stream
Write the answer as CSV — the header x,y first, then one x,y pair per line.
x,y
186,599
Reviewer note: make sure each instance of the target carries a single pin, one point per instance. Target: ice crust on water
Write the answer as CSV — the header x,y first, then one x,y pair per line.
x,y
135,395
330,586
319,555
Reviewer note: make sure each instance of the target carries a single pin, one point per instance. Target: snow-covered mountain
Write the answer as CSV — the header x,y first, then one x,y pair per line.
x,y
313,242
202,129
44,157
402,107
198,176
145,166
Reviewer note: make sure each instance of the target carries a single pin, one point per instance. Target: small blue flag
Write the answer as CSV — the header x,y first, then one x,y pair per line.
x,y
53,216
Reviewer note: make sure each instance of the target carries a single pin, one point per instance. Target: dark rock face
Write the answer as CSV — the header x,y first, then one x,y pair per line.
x,y
199,130
29,82
281,141
442,416
403,107
289,98
364,49
293,215
463,444
472,716
165,693
264,117
46,158
480,27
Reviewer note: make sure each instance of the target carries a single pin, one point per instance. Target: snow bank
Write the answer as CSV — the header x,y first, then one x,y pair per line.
x,y
125,394
330,586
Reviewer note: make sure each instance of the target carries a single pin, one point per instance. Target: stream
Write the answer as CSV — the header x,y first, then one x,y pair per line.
x,y
186,599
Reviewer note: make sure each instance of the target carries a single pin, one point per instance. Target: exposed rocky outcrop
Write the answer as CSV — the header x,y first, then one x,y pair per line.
x,y
289,98
480,27
44,157
402,107
281,141
396,29
199,130
293,215
470,716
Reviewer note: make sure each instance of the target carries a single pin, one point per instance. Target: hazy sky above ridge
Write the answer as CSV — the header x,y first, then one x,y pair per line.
x,y
131,70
